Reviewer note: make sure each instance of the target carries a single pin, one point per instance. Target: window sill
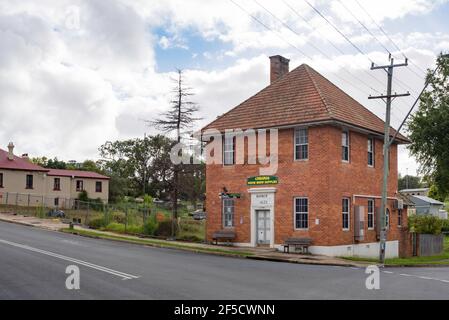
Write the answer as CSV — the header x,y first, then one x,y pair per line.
x,y
29,188
346,230
301,229
56,189
301,160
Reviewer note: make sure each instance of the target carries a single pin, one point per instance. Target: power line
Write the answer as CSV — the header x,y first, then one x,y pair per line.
x,y
388,37
312,45
269,29
302,52
282,38
347,38
363,25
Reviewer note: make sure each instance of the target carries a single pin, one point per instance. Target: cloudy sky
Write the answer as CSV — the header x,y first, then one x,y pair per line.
x,y
76,73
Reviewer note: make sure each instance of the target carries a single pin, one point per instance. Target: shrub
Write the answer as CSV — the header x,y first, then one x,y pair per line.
x,y
164,229
150,227
83,196
97,223
445,227
425,224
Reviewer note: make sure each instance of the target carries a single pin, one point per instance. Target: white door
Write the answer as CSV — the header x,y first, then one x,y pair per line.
x,y
263,227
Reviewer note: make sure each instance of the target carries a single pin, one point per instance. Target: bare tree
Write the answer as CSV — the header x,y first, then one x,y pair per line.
x,y
179,117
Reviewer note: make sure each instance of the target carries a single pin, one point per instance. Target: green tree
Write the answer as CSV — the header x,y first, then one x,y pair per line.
x,y
429,128
138,166
409,182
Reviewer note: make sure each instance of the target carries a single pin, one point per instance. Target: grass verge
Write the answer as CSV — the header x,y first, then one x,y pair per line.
x,y
158,243
442,259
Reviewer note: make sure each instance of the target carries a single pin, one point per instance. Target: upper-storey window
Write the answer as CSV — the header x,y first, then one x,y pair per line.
x,y
98,186
1,180
301,144
229,150
79,185
345,146
57,184
29,181
371,152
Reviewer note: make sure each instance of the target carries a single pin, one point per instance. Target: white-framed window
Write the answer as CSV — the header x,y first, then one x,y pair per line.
x,y
370,214
345,210
229,150
399,217
228,213
345,146
79,185
371,152
301,144
301,213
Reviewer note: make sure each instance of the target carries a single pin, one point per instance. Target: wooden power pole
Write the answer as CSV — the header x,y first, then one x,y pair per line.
x,y
388,98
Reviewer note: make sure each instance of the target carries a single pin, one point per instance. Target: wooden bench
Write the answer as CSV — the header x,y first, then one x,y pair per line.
x,y
302,243
223,235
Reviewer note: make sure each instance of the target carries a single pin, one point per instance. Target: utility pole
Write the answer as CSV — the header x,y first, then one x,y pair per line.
x,y
388,98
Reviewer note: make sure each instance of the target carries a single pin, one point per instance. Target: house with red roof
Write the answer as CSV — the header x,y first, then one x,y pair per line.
x,y
326,190
25,183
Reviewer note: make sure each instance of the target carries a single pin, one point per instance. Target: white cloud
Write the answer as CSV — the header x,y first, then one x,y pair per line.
x,y
65,91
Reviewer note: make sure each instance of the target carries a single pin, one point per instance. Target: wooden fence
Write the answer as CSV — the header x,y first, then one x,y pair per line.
x,y
430,244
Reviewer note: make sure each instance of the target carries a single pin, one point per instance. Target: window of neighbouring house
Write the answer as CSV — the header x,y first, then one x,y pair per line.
x,y
228,213
301,213
301,144
79,185
57,184
371,152
345,213
98,186
370,214
29,181
1,180
345,146
56,202
229,150
399,217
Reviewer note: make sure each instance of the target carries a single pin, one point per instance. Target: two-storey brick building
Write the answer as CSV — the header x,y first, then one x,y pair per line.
x,y
328,182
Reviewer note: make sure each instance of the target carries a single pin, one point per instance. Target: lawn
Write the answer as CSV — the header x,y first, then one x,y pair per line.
x,y
442,259
157,243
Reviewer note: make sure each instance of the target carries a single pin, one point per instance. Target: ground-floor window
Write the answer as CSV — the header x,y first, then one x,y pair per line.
x,y
301,213
345,213
228,213
370,214
56,201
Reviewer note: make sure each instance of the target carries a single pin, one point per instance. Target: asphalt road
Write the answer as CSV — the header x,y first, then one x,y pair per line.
x,y
33,264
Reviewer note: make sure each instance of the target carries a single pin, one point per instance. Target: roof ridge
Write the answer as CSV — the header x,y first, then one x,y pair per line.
x,y
345,93
315,85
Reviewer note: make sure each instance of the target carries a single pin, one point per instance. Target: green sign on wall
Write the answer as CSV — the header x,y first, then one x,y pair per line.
x,y
262,180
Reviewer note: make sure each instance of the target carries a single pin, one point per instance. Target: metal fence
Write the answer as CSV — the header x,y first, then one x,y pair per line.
x,y
126,217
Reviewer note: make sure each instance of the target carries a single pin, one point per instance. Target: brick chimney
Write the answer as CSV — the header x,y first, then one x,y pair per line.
x,y
11,151
279,66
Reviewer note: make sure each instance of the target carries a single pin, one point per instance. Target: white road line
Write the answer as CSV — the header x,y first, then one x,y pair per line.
x,y
405,275
425,278
124,276
389,272
447,281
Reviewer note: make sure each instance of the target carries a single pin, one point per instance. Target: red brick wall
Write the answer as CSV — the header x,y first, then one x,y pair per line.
x,y
323,178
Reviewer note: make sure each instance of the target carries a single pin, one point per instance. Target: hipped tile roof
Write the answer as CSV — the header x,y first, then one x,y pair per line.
x,y
303,96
